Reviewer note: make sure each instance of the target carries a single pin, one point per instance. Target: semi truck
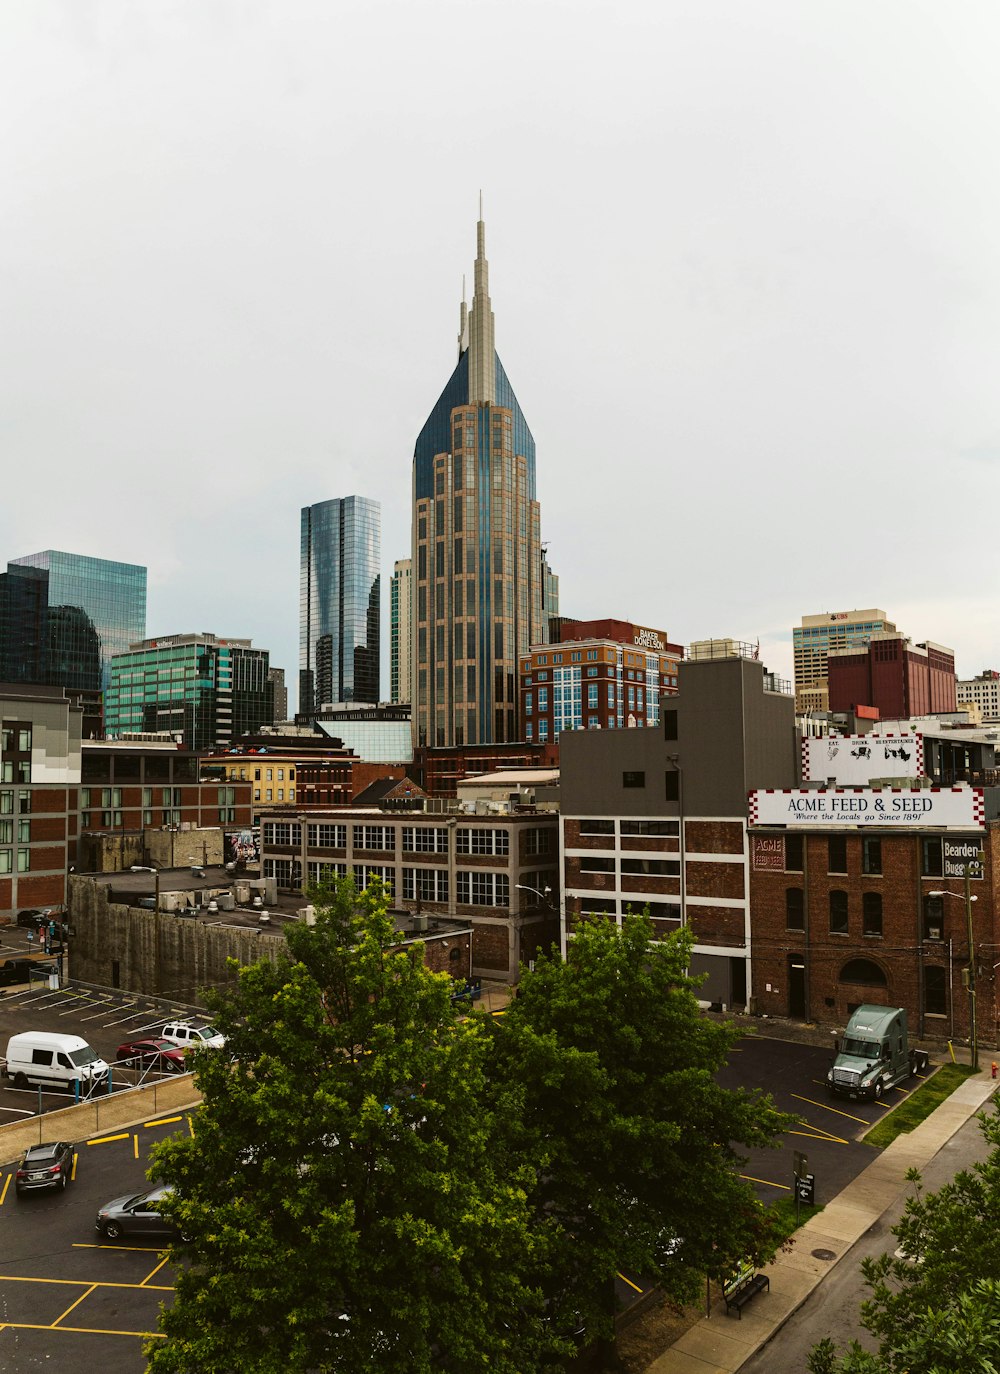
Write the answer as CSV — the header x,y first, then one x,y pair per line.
x,y
874,1054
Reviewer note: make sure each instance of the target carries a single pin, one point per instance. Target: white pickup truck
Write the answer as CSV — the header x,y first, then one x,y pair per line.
x,y
190,1035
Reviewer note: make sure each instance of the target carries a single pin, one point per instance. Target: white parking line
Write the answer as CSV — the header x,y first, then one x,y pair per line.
x,y
135,1016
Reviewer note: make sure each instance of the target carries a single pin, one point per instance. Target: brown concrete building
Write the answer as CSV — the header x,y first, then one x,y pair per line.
x,y
39,785
894,676
439,771
498,870
658,817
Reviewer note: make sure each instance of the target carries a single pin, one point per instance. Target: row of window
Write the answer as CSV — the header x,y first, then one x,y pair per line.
x,y
7,861
931,855
416,839
595,826
649,867
475,888
932,915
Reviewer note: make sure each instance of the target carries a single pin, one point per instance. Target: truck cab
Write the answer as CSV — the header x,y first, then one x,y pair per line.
x,y
874,1054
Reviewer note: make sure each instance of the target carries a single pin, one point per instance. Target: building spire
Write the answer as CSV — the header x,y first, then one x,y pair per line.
x,y
463,323
482,364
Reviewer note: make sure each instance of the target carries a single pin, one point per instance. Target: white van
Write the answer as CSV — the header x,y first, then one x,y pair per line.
x,y
53,1061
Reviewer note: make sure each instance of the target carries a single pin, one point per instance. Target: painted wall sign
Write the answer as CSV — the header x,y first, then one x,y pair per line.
x,y
950,808
853,760
769,852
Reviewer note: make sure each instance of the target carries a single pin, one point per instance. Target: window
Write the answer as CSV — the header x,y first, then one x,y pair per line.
x,y
935,991
538,842
871,854
431,839
863,971
320,872
591,672
24,830
23,860
794,854
933,918
527,703
5,860
837,854
672,786
375,837
596,863
425,884
366,873
931,859
482,889
631,778
670,725
328,836
658,828
282,832
871,913
838,912
592,690
795,912
543,698
597,827
543,731
669,868
481,841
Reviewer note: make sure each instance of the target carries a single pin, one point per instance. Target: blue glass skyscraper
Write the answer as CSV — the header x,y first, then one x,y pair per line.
x,y
477,556
340,602
64,615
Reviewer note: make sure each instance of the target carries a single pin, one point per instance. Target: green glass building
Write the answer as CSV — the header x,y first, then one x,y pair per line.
x,y
203,690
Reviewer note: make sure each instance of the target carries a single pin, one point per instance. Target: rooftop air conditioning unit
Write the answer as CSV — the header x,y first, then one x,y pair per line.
x,y
420,921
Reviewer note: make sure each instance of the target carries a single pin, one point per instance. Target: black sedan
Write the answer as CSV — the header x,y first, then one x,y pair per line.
x,y
44,1166
137,1214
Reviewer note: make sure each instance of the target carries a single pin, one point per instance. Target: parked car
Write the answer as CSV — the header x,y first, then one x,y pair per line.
x,y
44,1166
137,1214
54,1060
191,1035
153,1052
32,917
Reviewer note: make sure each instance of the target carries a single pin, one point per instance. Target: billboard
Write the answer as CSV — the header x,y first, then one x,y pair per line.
x,y
896,808
853,760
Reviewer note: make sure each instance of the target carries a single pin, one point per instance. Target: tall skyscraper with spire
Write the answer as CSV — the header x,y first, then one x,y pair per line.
x,y
477,565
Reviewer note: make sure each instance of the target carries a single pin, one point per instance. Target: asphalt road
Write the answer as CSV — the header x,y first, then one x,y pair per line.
x,y
828,1130
832,1308
70,1301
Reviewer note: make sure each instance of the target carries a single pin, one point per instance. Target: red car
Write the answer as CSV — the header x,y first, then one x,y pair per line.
x,y
152,1053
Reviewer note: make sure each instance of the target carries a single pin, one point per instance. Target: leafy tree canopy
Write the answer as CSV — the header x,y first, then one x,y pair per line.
x,y
341,1186
608,1067
934,1305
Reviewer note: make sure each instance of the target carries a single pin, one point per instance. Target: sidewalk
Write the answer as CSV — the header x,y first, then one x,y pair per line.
x,y
719,1344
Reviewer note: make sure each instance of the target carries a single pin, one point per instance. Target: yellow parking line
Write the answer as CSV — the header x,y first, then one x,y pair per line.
x,y
191,1124
72,1172
145,1282
767,1182
135,1144
629,1282
163,1121
81,1330
82,1283
104,1139
96,1245
827,1108
75,1304
6,1185
817,1134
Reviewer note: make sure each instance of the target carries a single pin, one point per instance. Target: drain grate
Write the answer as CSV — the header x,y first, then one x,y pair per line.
x,y
824,1254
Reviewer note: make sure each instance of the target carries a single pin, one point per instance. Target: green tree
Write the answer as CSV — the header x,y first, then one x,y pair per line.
x,y
934,1303
608,1068
340,1185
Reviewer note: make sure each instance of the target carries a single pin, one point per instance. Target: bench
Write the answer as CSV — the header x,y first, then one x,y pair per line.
x,y
740,1293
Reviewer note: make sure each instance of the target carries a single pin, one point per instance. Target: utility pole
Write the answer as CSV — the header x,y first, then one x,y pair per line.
x,y
973,1035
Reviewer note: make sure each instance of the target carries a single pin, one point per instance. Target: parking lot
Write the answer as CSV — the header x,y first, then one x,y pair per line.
x,y
71,1301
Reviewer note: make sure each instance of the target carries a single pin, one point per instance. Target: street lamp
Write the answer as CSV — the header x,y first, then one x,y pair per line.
x,y
542,896
143,868
968,898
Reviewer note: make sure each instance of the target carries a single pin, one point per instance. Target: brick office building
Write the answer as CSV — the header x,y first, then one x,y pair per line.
x,y
895,676
627,796
850,915
491,870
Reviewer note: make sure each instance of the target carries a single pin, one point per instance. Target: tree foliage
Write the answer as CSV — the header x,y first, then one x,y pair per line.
x,y
934,1303
609,1069
340,1185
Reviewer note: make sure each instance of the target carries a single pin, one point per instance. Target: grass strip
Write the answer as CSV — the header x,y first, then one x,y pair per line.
x,y
919,1105
789,1221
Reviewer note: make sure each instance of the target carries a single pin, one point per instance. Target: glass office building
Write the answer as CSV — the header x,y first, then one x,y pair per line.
x,y
340,602
477,570
64,616
204,690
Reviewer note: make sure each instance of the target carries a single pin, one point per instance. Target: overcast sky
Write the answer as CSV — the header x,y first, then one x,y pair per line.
x,y
743,260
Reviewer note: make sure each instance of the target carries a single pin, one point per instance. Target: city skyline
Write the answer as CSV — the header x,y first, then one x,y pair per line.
x,y
752,374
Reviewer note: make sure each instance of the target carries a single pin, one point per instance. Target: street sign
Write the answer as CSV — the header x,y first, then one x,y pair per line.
x,y
801,1165
805,1189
